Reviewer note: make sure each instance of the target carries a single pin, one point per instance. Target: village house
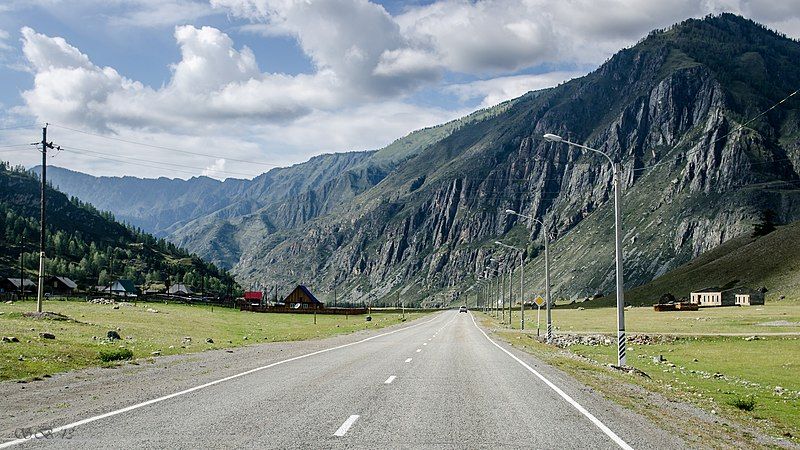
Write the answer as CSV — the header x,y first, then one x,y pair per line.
x,y
60,285
739,296
123,288
179,289
302,298
12,285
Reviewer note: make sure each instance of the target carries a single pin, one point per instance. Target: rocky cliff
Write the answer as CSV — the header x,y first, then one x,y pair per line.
x,y
683,111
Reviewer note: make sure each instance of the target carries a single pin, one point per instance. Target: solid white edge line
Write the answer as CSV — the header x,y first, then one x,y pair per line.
x,y
390,379
346,425
618,440
409,360
212,383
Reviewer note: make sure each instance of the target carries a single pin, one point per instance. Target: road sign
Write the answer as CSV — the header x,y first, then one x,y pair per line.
x,y
539,300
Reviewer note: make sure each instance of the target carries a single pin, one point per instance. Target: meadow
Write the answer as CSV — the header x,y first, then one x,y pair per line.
x,y
173,329
741,363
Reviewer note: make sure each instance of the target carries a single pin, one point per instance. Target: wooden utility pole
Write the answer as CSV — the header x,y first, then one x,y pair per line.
x,y
45,146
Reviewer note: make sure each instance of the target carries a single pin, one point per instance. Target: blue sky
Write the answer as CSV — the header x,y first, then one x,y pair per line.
x,y
253,84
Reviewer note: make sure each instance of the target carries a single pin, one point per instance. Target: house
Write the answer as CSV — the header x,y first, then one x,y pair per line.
x,y
302,298
60,285
739,296
712,297
179,289
124,288
748,297
12,285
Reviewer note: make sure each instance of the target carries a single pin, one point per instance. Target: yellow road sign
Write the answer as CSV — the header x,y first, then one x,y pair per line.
x,y
539,300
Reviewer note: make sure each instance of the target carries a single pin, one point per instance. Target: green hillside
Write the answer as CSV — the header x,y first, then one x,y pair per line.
x,y
88,245
771,261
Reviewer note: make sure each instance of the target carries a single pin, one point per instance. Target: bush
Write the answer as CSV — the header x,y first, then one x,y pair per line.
x,y
744,403
119,354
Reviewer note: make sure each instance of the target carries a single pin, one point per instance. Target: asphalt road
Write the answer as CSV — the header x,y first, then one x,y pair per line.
x,y
438,383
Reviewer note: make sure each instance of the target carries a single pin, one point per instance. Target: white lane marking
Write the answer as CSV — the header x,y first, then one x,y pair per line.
x,y
390,379
408,360
419,350
196,388
424,343
618,440
346,425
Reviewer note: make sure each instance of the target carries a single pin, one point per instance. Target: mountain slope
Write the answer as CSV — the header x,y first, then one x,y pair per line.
x,y
420,217
771,261
87,245
670,108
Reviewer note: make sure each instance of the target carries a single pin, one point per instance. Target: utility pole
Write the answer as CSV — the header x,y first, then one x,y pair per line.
x,y
45,146
21,266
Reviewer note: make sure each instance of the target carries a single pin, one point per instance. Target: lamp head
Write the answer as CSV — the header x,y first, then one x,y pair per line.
x,y
510,211
552,138
498,242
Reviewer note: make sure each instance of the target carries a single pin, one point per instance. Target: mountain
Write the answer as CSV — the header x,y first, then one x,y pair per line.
x,y
87,245
683,110
747,260
217,219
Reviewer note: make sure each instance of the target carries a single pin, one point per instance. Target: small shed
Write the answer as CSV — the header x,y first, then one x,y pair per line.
x,y
179,289
61,285
12,285
302,298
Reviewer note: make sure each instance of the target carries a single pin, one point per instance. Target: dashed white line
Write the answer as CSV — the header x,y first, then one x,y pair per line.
x,y
390,379
424,343
419,350
618,440
408,360
203,386
346,425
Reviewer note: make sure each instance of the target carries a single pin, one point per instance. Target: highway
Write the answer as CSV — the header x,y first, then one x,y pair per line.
x,y
439,382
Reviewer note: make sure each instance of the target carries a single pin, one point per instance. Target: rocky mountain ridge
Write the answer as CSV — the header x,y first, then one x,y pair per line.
x,y
675,109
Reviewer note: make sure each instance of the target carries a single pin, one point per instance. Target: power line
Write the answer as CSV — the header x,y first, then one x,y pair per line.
x,y
161,147
79,150
725,136
14,127
97,155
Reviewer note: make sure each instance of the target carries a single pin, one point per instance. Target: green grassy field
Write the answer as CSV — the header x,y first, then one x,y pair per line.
x,y
702,365
774,317
79,341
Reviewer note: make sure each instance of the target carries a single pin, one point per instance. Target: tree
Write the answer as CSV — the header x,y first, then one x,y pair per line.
x,y
766,224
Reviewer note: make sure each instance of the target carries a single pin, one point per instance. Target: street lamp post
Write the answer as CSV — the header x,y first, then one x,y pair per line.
x,y
521,282
617,170
546,271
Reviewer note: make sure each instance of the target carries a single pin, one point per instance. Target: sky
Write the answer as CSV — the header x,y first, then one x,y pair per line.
x,y
232,88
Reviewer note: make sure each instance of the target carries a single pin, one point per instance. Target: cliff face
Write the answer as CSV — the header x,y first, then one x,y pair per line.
x,y
420,216
694,177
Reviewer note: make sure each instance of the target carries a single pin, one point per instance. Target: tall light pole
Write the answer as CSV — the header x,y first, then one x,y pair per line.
x,y
617,170
497,290
546,271
521,282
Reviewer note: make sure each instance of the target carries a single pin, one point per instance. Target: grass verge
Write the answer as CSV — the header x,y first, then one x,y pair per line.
x,y
746,392
150,329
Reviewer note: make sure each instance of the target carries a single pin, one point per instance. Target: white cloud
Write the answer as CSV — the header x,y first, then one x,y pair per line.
x,y
3,38
365,63
497,90
216,169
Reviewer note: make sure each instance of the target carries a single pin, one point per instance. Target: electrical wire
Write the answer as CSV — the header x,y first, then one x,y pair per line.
x,y
161,147
726,135
129,159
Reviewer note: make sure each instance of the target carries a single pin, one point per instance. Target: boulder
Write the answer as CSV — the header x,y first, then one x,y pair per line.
x,y
47,335
113,335
10,339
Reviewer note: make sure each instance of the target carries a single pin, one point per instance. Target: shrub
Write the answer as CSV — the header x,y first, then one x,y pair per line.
x,y
118,354
744,403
